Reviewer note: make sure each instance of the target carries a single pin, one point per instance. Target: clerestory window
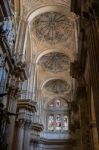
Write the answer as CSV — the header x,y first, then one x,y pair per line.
x,y
57,116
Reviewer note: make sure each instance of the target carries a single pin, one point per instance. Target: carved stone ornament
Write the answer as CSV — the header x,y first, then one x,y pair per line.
x,y
52,27
13,86
57,86
7,31
2,59
55,62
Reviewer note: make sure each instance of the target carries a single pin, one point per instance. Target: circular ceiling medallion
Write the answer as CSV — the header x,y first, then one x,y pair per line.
x,y
57,86
55,62
52,27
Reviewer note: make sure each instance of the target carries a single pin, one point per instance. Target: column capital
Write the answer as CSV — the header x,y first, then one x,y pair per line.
x,y
20,123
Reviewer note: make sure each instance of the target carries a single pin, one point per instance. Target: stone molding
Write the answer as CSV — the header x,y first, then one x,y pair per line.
x,y
37,123
30,5
25,110
27,104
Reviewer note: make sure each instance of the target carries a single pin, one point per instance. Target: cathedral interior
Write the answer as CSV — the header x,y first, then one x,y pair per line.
x,y
49,74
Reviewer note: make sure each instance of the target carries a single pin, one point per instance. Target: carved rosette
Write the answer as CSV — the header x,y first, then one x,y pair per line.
x,y
52,27
55,62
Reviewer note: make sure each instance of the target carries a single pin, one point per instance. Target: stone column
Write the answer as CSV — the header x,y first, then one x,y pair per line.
x,y
31,146
76,125
82,99
93,126
20,135
85,130
35,146
93,52
20,37
12,106
11,127
26,142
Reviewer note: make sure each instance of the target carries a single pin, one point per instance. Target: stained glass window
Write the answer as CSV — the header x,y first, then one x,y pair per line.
x,y
65,123
57,115
51,122
58,122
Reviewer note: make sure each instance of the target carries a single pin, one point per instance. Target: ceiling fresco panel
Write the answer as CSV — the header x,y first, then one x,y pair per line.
x,y
52,27
57,86
55,62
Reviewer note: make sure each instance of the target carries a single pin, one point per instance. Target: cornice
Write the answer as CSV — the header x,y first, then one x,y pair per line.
x,y
27,104
37,126
67,142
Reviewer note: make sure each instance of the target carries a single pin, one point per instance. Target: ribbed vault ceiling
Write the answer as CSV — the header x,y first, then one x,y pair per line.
x,y
52,26
57,86
55,62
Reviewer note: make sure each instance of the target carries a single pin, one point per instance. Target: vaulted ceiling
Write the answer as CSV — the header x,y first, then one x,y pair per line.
x,y
53,35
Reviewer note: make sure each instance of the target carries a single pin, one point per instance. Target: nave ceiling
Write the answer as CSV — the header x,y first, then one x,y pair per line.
x,y
49,74
53,33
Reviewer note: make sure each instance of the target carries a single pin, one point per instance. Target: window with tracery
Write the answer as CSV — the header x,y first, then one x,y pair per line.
x,y
57,118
